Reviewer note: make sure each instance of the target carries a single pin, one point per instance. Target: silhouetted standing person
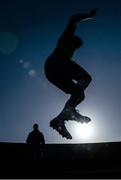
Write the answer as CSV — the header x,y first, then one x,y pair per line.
x,y
35,139
67,75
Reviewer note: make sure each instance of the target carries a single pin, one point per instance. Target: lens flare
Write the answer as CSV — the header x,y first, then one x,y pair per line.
x,y
8,42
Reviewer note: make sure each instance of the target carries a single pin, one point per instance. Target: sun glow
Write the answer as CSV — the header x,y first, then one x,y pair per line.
x,y
83,131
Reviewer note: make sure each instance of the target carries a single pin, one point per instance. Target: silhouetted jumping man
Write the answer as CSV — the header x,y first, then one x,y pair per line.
x,y
67,75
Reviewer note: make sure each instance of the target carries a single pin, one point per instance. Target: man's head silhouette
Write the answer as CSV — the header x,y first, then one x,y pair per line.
x,y
35,126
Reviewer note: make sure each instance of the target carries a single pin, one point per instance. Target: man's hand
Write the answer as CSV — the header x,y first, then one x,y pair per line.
x,y
82,17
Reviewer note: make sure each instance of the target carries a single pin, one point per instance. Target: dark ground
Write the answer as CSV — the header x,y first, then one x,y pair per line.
x,y
97,160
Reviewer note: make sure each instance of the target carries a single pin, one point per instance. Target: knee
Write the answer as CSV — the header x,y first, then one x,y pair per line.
x,y
83,83
82,96
89,78
85,77
78,92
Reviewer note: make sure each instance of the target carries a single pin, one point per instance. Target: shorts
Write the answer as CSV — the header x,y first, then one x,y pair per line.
x,y
62,73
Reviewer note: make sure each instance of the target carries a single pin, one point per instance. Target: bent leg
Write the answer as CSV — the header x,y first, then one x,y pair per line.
x,y
77,93
76,98
83,80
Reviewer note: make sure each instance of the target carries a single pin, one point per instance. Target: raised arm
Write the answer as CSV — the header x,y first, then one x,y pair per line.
x,y
71,27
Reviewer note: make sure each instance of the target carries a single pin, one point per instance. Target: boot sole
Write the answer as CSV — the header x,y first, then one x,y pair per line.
x,y
56,126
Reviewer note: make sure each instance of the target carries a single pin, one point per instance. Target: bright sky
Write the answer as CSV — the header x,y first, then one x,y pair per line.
x,y
28,34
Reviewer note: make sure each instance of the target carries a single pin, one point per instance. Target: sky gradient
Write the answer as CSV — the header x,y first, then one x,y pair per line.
x,y
28,34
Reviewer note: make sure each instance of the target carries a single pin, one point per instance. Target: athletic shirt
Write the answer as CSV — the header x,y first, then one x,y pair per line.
x,y
66,46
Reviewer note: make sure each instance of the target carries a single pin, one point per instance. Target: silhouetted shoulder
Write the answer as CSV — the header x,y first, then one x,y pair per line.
x,y
35,137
